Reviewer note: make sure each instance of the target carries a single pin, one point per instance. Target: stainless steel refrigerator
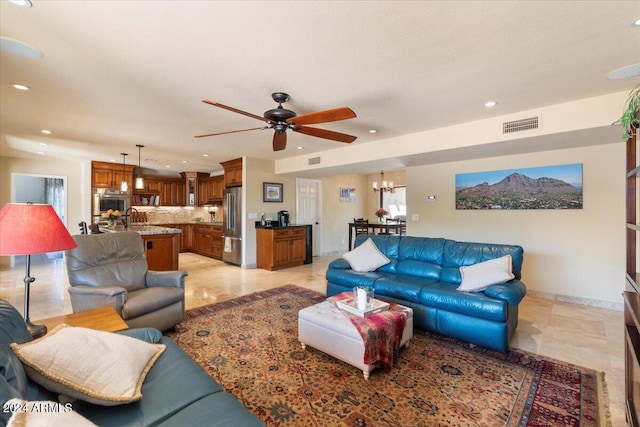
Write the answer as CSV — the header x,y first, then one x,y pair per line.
x,y
232,231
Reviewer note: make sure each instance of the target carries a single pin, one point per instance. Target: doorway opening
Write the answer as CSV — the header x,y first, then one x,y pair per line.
x,y
40,189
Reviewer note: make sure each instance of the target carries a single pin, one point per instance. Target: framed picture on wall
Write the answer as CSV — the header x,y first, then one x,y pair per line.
x,y
271,192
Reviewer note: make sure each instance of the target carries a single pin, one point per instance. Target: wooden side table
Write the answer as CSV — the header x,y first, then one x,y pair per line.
x,y
101,318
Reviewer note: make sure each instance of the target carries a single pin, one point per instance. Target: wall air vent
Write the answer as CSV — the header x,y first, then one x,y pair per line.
x,y
520,125
314,161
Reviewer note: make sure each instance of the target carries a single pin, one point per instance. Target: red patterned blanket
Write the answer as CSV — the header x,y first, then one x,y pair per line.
x,y
381,332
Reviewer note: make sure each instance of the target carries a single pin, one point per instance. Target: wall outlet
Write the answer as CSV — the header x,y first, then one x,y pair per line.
x,y
415,217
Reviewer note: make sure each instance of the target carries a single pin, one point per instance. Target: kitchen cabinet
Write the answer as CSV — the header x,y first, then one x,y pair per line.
x,y
210,190
161,251
185,235
173,190
280,247
207,240
193,188
110,175
232,173
152,185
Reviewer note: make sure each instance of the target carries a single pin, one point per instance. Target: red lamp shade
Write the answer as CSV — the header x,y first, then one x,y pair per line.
x,y
27,229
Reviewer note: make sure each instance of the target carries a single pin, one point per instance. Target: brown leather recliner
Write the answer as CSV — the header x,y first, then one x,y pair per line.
x,y
111,269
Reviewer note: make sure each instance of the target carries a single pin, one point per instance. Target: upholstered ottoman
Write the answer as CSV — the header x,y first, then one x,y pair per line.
x,y
324,327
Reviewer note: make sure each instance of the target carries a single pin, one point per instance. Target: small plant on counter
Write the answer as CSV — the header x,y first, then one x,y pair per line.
x,y
112,216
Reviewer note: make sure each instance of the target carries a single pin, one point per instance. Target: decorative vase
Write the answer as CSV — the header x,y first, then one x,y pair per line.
x,y
111,223
380,219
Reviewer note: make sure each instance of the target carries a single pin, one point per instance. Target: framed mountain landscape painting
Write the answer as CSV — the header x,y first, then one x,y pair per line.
x,y
546,187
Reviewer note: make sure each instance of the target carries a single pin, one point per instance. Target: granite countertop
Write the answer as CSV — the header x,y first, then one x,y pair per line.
x,y
165,224
142,229
277,227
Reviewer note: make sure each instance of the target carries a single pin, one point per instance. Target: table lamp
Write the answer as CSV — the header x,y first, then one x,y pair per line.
x,y
26,229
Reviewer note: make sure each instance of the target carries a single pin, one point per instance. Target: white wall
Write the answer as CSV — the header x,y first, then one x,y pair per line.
x,y
78,174
573,253
337,215
256,172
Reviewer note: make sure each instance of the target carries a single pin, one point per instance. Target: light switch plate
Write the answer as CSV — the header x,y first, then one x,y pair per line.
x,y
415,217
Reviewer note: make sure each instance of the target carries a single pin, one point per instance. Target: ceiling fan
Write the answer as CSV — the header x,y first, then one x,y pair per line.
x,y
280,120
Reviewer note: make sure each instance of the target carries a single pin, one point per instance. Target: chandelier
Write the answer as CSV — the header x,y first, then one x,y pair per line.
x,y
384,185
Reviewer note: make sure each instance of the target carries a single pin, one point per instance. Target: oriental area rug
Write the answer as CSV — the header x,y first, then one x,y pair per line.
x,y
250,346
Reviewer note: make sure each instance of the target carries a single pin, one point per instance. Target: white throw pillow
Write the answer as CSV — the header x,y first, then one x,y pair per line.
x,y
95,366
480,276
44,414
366,257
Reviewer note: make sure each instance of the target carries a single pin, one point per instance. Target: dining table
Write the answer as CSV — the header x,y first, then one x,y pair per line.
x,y
399,228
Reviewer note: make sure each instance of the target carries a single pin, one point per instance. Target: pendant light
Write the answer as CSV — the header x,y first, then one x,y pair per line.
x,y
139,180
124,186
384,185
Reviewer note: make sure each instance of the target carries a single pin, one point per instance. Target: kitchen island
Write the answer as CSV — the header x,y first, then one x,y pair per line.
x,y
161,244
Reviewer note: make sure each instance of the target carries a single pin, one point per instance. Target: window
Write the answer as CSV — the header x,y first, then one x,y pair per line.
x,y
395,202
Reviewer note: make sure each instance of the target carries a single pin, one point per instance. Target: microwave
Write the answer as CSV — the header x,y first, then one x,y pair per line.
x,y
105,199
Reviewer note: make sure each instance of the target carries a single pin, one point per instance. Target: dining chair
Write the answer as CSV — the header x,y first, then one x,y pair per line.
x,y
361,226
83,227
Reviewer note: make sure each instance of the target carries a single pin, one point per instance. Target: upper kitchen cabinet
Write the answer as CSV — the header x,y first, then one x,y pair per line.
x,y
210,190
232,173
173,192
193,187
110,175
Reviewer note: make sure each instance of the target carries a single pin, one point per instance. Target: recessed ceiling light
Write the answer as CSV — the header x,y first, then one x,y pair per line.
x,y
205,155
46,131
18,48
636,23
20,86
41,152
168,166
300,147
625,72
44,144
21,3
490,104
372,131
185,161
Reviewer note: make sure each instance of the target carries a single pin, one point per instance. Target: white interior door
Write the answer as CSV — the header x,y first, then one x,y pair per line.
x,y
309,209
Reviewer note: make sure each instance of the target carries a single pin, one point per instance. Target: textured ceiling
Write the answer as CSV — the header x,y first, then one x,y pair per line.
x,y
119,73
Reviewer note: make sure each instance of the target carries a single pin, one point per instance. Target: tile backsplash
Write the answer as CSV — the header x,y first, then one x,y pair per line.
x,y
171,214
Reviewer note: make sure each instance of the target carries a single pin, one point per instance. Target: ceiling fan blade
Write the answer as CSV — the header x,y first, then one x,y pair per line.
x,y
224,133
326,134
324,116
279,141
235,110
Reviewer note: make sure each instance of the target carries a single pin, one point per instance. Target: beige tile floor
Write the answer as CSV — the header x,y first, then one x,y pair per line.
x,y
585,336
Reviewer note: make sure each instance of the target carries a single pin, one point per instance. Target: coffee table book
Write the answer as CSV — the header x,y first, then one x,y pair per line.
x,y
349,306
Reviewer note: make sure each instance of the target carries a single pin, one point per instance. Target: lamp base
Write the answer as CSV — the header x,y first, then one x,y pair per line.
x,y
36,331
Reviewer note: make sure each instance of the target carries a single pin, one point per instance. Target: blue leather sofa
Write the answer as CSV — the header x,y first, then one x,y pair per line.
x,y
176,391
424,273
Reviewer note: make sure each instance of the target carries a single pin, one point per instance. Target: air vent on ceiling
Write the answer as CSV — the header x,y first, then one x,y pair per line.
x,y
314,161
520,125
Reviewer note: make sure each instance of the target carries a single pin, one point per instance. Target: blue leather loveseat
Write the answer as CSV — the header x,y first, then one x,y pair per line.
x,y
176,391
424,274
